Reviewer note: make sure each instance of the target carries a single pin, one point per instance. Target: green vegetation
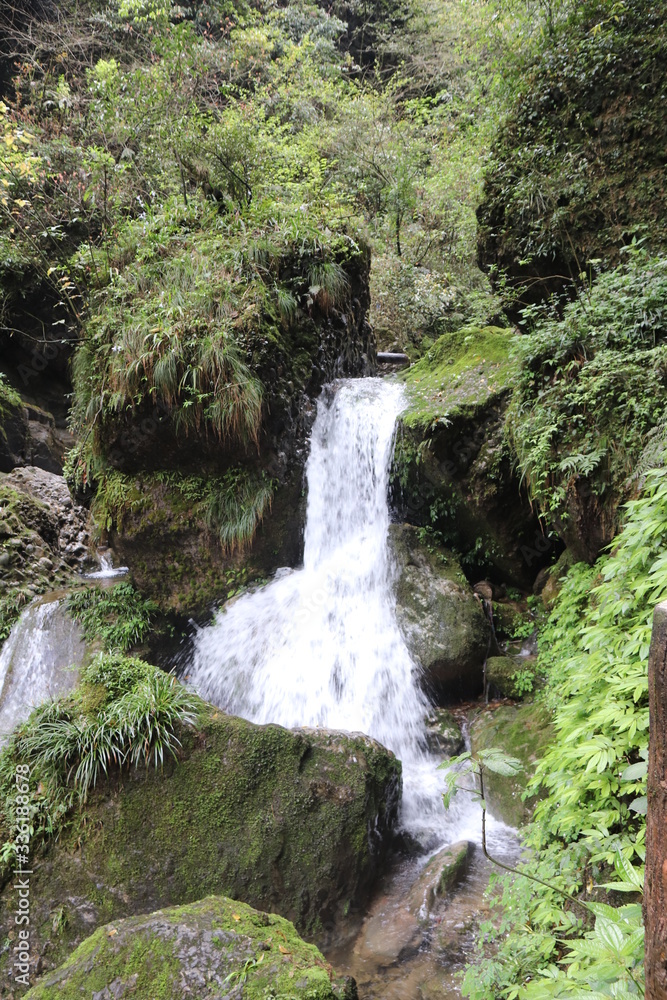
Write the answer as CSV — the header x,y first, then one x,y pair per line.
x,y
202,197
125,711
575,168
592,385
118,616
592,778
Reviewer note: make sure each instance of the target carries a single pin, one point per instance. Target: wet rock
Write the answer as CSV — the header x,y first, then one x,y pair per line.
x,y
292,822
453,467
442,875
68,523
211,949
443,733
442,621
29,437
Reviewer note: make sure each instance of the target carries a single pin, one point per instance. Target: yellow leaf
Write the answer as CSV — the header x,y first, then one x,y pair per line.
x,y
236,916
285,951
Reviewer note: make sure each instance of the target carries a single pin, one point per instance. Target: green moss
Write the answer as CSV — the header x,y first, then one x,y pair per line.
x,y
461,372
213,945
522,731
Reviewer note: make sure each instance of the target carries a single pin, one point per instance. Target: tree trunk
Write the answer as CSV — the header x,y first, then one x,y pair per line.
x,y
655,886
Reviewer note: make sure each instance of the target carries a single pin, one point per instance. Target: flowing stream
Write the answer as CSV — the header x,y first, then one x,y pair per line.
x,y
320,646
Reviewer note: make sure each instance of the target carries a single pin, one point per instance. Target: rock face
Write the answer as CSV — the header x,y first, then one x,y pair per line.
x,y
211,949
29,436
442,621
522,731
43,537
293,822
443,733
71,529
453,469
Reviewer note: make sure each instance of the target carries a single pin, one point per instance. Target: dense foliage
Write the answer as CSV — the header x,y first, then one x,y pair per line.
x,y
118,616
592,385
592,781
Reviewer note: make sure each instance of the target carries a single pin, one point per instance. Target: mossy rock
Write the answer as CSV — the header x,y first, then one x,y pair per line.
x,y
29,561
522,731
210,949
460,374
453,470
297,822
442,621
500,676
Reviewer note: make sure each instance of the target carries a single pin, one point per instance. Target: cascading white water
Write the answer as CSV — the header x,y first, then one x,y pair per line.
x,y
320,646
39,661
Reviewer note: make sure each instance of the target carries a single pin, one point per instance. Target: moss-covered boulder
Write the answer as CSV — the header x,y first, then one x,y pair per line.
x,y
453,470
442,621
211,949
501,677
522,731
293,822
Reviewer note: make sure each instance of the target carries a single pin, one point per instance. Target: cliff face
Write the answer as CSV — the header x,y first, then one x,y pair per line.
x,y
578,168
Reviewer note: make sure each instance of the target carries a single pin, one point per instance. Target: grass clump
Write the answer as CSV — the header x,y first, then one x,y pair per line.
x,y
119,617
125,712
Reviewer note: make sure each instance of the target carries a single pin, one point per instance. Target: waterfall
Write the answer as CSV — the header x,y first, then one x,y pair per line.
x,y
320,646
39,661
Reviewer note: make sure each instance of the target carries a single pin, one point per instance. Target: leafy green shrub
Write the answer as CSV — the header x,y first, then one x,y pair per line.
x,y
594,650
125,712
118,616
592,385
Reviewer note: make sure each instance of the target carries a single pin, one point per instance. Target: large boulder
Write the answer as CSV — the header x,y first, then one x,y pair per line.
x,y
441,619
453,469
293,822
211,949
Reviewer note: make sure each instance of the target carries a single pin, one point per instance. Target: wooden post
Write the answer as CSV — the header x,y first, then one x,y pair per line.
x,y
655,885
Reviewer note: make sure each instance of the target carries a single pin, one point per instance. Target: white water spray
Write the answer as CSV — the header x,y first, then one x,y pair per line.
x,y
320,646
